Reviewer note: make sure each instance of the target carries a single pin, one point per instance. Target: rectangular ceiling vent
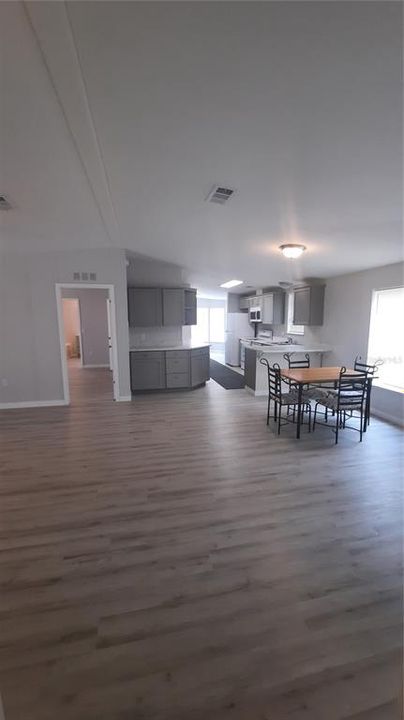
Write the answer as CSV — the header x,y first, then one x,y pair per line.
x,y
4,203
220,194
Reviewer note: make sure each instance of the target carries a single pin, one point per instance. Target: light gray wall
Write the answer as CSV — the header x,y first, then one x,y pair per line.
x,y
94,324
30,363
146,272
155,336
348,300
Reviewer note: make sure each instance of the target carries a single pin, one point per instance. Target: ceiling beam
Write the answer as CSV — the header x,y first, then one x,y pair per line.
x,y
52,29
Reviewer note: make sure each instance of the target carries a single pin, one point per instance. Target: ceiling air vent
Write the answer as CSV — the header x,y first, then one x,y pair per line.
x,y
4,203
220,194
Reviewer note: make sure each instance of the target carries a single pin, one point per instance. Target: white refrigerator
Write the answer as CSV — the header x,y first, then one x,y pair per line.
x,y
237,327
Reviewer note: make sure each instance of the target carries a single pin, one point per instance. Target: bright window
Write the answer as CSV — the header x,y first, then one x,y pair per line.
x,y
200,332
293,329
210,327
386,337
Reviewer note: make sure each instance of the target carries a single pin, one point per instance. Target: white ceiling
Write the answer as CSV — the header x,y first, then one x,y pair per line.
x,y
118,118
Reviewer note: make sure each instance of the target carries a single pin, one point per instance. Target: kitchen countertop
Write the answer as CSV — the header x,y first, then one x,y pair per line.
x,y
184,346
289,347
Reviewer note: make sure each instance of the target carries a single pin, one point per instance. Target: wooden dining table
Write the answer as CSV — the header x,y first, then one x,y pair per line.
x,y
311,376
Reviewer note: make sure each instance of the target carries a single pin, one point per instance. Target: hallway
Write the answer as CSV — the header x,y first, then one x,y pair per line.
x,y
89,385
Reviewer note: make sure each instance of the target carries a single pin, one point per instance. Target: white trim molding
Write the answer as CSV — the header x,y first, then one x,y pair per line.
x,y
124,398
103,365
31,404
388,418
59,287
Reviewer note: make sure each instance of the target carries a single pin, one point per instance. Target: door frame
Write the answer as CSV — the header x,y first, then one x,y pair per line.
x,y
59,287
109,313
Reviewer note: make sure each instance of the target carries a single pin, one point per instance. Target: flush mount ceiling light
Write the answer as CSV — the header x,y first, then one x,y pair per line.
x,y
231,283
292,250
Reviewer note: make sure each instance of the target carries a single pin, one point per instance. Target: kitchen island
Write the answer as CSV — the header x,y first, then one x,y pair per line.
x,y
256,376
177,367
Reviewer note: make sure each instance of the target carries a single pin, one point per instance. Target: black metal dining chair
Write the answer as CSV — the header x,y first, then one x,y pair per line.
x,y
370,372
350,396
315,392
282,399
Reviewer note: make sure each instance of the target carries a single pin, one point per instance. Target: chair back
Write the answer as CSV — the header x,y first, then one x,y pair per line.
x,y
352,389
274,380
295,362
365,368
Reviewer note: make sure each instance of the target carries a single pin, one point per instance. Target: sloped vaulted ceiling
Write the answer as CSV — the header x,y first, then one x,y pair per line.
x,y
119,117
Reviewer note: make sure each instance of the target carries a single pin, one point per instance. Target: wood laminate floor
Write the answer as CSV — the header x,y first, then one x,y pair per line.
x,y
173,559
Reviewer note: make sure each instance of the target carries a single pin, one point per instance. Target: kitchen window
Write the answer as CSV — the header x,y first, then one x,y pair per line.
x,y
293,329
386,338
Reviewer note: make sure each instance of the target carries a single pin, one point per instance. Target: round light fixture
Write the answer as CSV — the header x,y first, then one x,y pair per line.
x,y
292,250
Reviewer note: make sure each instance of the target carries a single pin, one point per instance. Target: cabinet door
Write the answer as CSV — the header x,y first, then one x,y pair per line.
x,y
147,370
244,303
200,368
173,306
268,309
301,310
145,307
190,307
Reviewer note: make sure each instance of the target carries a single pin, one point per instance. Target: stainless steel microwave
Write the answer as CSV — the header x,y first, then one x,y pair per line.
x,y
255,314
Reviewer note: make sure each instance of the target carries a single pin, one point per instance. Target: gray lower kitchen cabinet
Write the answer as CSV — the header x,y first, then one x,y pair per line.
x,y
178,380
145,307
200,366
170,369
178,365
308,305
148,370
173,306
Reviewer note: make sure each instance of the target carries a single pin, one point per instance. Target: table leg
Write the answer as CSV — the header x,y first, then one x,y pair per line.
x,y
299,409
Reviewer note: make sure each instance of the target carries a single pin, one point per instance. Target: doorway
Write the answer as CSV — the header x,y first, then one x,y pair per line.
x,y
88,347
211,326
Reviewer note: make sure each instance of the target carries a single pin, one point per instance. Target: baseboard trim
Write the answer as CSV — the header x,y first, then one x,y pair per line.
x,y
124,398
31,404
388,418
91,367
256,393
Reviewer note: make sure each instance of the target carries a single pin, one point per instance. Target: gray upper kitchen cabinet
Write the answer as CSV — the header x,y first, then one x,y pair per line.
x,y
190,307
157,307
244,303
148,370
279,308
173,306
268,309
308,305
145,307
255,302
